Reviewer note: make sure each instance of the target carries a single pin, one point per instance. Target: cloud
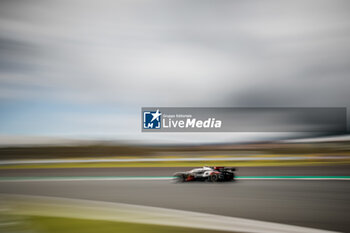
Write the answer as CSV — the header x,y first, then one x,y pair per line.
x,y
176,53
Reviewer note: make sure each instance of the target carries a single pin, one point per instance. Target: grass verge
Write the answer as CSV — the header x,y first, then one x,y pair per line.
x,y
43,224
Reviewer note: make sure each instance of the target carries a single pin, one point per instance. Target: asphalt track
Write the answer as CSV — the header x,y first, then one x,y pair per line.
x,y
322,204
337,170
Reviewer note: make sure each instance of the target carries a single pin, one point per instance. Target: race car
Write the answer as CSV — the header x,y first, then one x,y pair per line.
x,y
209,174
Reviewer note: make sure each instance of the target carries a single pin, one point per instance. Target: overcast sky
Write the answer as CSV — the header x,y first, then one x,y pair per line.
x,y
84,69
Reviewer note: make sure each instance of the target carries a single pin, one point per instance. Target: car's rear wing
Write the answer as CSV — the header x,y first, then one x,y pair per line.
x,y
225,168
230,169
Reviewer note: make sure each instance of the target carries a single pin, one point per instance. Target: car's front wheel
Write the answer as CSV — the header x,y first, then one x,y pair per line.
x,y
180,178
214,177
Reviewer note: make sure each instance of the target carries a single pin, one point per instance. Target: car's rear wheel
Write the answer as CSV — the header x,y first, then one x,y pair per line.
x,y
229,177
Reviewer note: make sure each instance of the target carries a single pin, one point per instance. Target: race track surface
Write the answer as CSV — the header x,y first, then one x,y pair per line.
x,y
323,204
339,170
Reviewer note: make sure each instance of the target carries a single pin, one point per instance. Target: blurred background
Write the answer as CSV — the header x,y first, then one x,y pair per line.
x,y
75,74
84,69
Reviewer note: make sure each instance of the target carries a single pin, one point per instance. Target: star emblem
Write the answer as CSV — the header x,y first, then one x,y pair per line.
x,y
156,115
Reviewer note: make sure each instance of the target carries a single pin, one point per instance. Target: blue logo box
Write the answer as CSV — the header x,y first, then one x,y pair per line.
x,y
152,119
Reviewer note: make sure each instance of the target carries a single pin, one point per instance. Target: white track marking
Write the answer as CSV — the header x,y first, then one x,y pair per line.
x,y
292,178
84,179
98,210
